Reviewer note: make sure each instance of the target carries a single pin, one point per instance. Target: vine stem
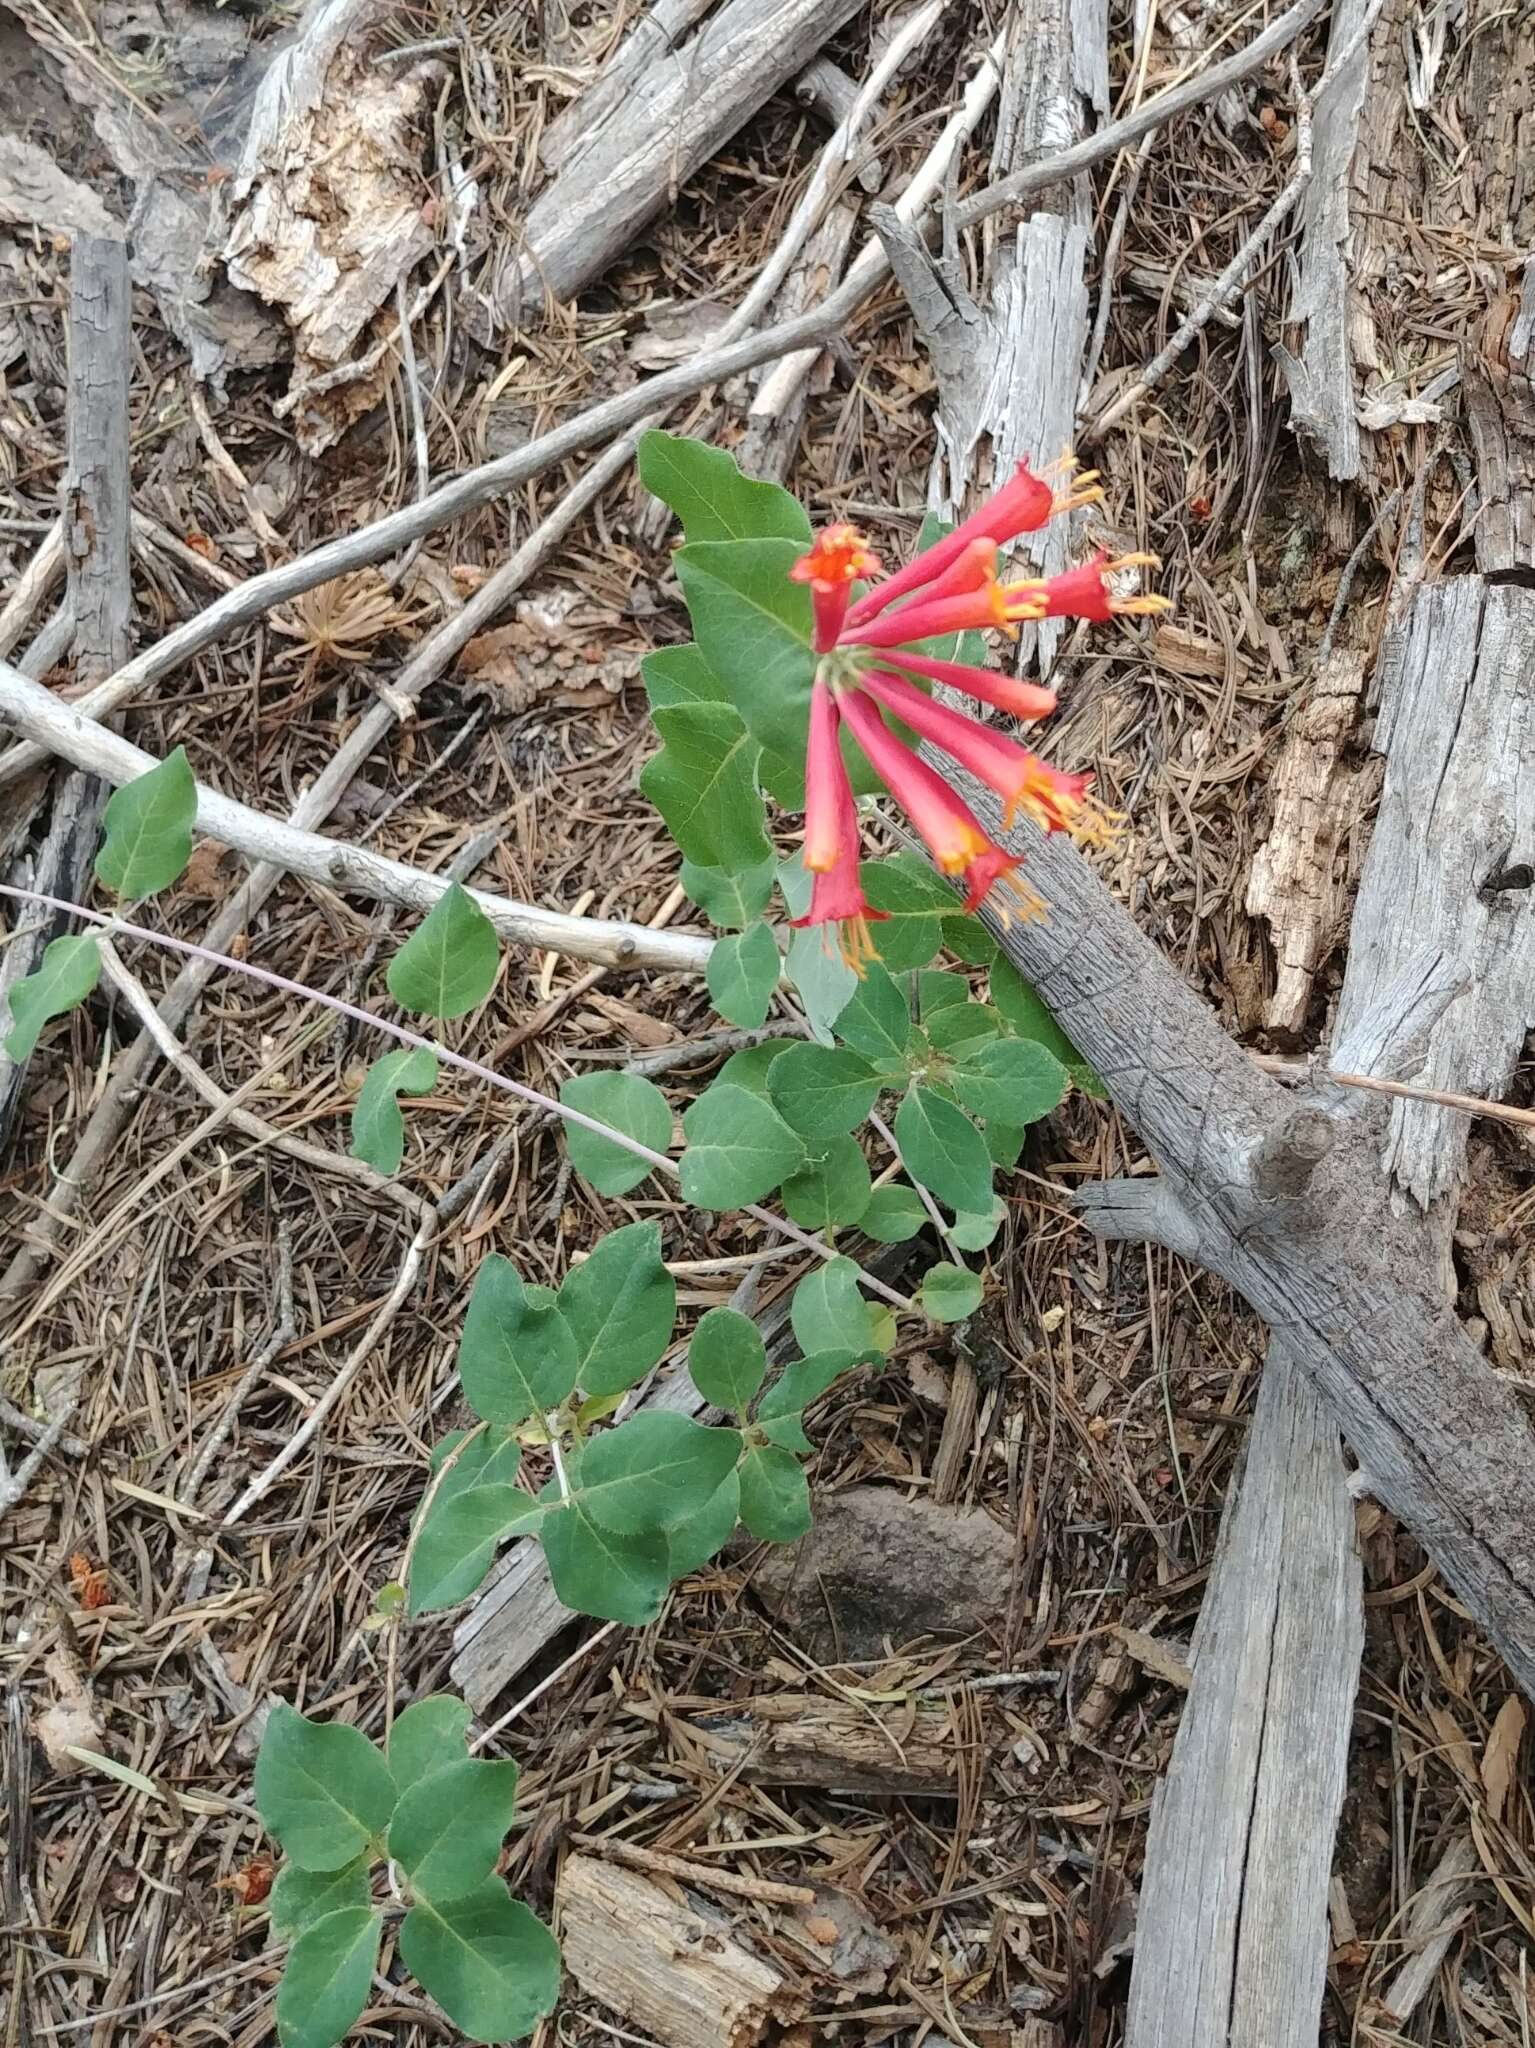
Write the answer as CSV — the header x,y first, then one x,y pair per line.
x,y
520,1089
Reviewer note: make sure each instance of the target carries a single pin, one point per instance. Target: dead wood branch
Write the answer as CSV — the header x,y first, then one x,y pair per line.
x,y
96,543
673,115
1442,1440
372,543
31,709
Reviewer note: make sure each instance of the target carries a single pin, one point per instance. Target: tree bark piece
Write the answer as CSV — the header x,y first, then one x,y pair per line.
x,y
1321,377
96,534
1456,685
1295,883
776,416
669,1968
1231,1940
672,116
911,1750
1340,1275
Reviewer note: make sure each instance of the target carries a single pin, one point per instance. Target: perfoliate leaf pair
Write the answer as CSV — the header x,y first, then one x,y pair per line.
x,y
335,1803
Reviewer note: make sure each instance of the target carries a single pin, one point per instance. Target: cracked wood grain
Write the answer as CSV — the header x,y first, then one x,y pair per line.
x,y
96,518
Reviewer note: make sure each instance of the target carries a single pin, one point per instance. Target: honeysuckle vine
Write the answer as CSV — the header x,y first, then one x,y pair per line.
x,y
808,679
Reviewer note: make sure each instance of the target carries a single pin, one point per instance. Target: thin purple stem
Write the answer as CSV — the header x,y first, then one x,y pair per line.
x,y
406,1036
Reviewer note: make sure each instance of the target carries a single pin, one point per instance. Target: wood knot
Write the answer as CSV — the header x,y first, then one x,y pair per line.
x,y
1282,1163
338,867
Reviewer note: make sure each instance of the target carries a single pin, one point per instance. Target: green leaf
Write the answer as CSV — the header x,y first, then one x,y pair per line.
x,y
492,1966
960,1030
1004,1142
1025,1012
147,830
940,1147
822,1091
447,1830
459,1540
301,1897
914,900
974,1233
752,625
749,1067
619,1306
828,1313
629,1103
65,976
816,968
1013,1078
788,1432
450,1556
727,1359
321,1788
937,990
742,974
449,963
598,1572
653,1471
704,784
805,1380
327,1978
950,1293
775,1499
378,1129
706,489
516,1357
894,1214
427,1737
693,1542
730,900
680,675
968,940
834,1188
739,1148
877,1022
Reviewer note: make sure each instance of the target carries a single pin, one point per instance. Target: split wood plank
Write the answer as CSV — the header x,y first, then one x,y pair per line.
x,y
673,114
665,1965
1321,376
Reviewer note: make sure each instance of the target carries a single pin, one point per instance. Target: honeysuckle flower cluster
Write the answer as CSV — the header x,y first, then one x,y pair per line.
x,y
869,649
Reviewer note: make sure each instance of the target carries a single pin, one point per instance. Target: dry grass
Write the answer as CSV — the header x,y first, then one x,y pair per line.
x,y
1107,1439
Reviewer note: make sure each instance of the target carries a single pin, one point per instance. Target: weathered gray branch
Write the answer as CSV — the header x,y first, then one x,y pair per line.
x,y
30,709
96,534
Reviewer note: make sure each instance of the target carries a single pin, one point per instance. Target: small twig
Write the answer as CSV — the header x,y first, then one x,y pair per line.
x,y
12,1488
34,1431
405,1280
634,1857
32,587
515,1713
283,1332
1473,1105
176,1055
1351,569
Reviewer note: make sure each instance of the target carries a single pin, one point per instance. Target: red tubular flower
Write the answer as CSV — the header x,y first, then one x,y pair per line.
x,y
829,803
1055,801
955,836
1022,505
1025,701
831,838
1083,592
839,558
922,620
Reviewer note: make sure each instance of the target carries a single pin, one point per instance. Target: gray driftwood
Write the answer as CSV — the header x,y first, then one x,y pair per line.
x,y
96,525
673,114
